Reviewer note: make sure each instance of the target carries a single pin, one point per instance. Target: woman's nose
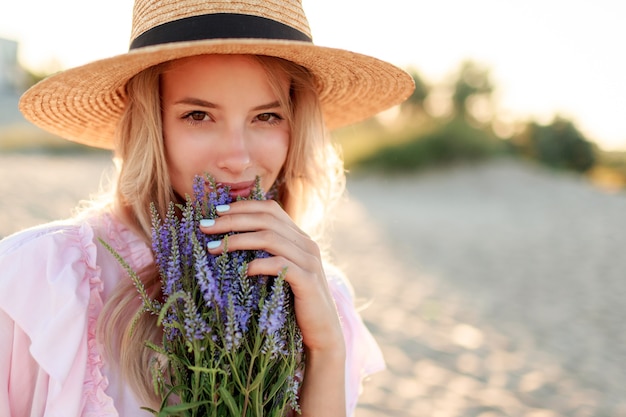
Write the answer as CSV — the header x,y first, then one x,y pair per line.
x,y
234,154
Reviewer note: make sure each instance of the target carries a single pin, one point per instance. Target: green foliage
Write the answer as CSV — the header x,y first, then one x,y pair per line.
x,y
451,142
558,145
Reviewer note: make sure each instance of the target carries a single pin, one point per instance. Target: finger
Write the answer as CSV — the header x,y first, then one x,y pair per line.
x,y
268,208
304,253
251,206
242,220
271,266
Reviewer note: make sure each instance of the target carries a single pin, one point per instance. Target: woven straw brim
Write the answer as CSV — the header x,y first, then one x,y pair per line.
x,y
84,104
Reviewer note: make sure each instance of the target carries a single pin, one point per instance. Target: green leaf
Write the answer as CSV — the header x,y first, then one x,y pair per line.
x,y
150,410
257,381
148,303
207,370
177,408
278,384
229,401
156,348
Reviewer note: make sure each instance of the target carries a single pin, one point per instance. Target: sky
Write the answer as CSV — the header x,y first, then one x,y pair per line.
x,y
545,57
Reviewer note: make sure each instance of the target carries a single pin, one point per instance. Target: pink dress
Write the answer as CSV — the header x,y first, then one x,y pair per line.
x,y
54,280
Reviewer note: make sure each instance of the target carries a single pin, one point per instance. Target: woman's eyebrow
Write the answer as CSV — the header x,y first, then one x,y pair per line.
x,y
267,106
196,102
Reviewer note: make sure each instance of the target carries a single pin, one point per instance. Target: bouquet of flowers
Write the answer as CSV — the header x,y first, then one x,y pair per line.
x,y
231,345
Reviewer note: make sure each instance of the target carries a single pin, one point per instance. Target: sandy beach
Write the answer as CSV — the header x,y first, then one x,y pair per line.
x,y
494,290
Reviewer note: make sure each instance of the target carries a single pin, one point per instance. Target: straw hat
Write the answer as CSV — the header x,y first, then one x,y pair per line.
x,y
84,104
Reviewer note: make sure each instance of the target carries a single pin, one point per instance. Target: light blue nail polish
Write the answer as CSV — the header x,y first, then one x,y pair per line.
x,y
207,222
222,208
214,244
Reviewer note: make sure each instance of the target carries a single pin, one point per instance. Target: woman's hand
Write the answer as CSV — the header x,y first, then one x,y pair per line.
x,y
264,225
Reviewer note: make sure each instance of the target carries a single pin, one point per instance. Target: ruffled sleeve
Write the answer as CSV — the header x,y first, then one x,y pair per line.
x,y
363,355
45,284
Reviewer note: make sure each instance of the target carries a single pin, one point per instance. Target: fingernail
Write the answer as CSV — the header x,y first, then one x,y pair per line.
x,y
207,222
222,208
214,244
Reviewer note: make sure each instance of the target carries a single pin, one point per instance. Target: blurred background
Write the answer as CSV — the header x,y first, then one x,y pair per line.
x,y
483,227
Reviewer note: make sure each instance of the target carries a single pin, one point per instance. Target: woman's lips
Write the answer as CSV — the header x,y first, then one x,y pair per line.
x,y
239,189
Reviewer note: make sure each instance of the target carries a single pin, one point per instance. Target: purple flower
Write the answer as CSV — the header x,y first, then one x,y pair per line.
x,y
160,239
247,297
204,274
199,188
173,271
272,318
188,228
195,327
232,333
170,330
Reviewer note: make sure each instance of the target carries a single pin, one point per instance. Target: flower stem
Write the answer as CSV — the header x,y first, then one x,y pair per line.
x,y
248,381
196,373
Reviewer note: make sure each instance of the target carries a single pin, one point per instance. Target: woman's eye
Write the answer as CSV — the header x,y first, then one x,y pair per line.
x,y
196,116
269,117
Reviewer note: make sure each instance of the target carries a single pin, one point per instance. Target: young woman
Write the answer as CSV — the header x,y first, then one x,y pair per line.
x,y
235,89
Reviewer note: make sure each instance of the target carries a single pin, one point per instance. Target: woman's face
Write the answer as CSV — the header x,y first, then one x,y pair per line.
x,y
221,117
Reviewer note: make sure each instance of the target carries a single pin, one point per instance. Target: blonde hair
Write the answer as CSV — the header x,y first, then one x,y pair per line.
x,y
311,180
